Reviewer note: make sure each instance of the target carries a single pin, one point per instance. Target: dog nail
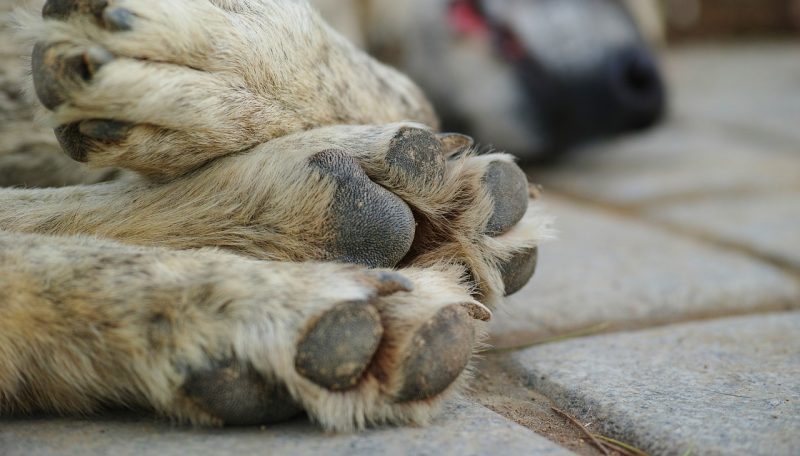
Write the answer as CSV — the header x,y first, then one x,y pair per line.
x,y
105,130
118,19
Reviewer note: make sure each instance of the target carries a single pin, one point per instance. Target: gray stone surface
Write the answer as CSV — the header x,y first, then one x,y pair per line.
x,y
767,224
747,87
730,386
464,429
680,160
609,272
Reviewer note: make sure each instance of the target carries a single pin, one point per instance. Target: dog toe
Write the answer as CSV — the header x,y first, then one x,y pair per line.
x,y
438,353
338,348
417,154
519,269
54,73
372,226
237,395
508,187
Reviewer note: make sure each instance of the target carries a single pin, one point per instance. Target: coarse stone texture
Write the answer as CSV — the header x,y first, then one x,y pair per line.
x,y
769,225
464,429
608,272
728,386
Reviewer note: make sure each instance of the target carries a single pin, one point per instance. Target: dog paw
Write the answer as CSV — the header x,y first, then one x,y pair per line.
x,y
390,355
213,338
385,196
406,196
164,87
395,195
473,210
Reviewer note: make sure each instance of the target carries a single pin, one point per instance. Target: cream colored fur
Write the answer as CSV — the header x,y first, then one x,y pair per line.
x,y
115,293
236,44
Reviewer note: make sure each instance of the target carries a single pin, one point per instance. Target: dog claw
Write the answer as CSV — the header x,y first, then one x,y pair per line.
x,y
94,58
477,310
104,130
455,143
388,283
118,19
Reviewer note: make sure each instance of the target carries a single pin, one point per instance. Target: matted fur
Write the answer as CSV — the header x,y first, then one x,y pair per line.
x,y
125,320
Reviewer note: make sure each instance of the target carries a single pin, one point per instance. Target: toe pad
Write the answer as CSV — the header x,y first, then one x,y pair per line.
x,y
508,187
519,269
339,347
238,395
440,350
373,226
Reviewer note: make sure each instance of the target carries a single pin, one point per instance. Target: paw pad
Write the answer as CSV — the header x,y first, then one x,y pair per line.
x,y
439,352
519,269
237,395
60,9
372,226
104,130
508,187
337,350
418,154
113,18
72,142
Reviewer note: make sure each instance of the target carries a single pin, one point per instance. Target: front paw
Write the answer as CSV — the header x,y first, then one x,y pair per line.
x,y
390,357
138,84
473,211
162,88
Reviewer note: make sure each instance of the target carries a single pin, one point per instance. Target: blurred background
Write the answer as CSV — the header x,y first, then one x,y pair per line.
x,y
680,220
739,19
541,78
695,219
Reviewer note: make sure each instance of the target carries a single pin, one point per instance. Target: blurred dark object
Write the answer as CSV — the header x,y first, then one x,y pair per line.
x,y
687,19
535,78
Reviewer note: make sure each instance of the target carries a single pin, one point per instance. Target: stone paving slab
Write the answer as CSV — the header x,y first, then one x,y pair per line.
x,y
745,86
609,272
464,429
678,160
767,224
728,386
